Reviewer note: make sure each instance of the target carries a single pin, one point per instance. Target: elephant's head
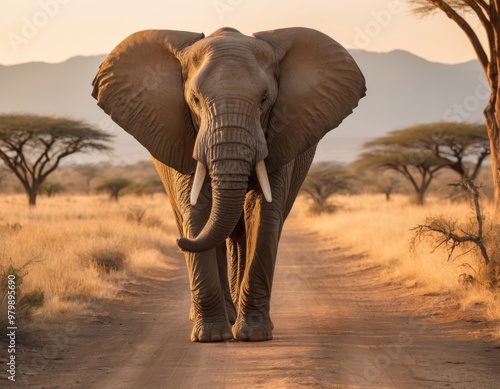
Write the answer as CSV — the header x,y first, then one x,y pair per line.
x,y
228,104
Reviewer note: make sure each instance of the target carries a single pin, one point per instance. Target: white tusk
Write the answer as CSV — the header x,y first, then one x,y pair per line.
x,y
199,178
261,171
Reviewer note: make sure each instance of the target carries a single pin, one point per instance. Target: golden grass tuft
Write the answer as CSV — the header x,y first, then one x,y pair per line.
x,y
367,224
84,246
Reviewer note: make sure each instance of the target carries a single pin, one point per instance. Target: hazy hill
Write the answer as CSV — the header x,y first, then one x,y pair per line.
x,y
403,89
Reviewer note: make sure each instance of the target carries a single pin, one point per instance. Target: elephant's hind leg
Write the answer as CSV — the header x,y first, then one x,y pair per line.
x,y
236,246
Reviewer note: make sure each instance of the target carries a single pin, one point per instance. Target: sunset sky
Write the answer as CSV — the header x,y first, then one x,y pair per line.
x,y
55,30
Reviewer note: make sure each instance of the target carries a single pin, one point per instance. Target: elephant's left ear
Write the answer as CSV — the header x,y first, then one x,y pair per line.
x,y
319,86
140,86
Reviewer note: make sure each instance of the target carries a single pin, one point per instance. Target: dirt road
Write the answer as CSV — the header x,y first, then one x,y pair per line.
x,y
338,324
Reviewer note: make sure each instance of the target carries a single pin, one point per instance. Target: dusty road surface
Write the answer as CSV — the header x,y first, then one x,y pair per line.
x,y
338,324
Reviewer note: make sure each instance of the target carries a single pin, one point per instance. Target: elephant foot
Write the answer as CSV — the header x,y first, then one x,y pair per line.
x,y
231,313
253,329
216,331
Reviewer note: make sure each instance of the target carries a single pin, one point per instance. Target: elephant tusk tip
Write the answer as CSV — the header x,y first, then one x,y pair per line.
x,y
199,178
263,179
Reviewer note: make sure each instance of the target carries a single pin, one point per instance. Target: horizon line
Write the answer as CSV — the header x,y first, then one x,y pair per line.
x,y
353,49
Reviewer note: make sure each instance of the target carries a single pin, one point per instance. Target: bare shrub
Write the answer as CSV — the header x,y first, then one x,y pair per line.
x,y
13,227
328,208
25,303
136,214
467,236
153,222
322,182
107,259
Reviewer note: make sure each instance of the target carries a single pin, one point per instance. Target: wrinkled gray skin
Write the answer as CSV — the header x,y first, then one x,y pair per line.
x,y
225,103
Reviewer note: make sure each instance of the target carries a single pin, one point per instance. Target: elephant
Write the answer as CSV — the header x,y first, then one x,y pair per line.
x,y
232,123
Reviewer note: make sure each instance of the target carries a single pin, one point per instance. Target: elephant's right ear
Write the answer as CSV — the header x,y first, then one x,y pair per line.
x,y
140,86
319,86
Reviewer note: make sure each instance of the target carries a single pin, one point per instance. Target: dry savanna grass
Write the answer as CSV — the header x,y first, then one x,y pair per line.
x,y
381,230
82,247
85,247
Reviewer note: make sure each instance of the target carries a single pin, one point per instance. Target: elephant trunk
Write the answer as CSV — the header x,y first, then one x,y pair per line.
x,y
228,197
229,146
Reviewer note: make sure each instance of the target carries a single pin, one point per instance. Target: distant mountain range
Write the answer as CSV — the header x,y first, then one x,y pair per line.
x,y
403,90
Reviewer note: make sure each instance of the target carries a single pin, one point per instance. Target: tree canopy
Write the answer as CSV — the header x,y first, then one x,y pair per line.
x,y
458,10
32,146
420,151
113,186
419,168
461,147
323,180
474,17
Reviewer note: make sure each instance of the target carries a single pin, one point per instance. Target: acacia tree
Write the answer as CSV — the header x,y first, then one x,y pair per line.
x,y
462,147
89,172
420,151
419,168
33,146
387,183
324,180
147,186
113,186
488,54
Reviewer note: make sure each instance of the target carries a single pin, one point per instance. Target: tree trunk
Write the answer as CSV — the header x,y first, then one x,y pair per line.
x,y
115,194
492,118
420,197
388,195
421,190
495,167
32,194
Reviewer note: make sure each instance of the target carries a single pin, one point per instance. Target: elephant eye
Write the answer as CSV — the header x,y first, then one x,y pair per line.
x,y
196,100
263,100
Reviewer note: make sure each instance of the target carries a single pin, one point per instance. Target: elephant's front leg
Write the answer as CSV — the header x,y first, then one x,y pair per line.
x,y
264,223
253,322
208,310
208,306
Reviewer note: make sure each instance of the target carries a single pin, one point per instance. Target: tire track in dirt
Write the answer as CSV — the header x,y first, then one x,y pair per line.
x,y
338,324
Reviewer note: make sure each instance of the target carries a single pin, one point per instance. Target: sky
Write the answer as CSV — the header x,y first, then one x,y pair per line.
x,y
55,30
